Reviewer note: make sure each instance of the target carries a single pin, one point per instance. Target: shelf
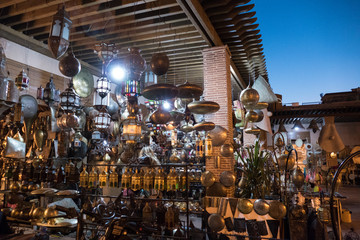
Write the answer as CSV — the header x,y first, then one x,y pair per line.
x,y
144,199
146,165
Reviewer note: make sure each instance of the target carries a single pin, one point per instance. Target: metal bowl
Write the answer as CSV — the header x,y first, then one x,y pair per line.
x,y
203,107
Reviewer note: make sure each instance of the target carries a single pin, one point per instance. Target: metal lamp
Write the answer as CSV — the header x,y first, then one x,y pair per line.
x,y
102,120
69,99
22,81
131,129
50,94
298,125
282,128
329,139
313,125
60,32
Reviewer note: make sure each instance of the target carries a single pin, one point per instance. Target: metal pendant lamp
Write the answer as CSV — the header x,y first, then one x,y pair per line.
x,y
313,125
298,125
329,139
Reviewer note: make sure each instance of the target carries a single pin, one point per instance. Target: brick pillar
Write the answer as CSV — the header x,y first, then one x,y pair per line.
x,y
217,88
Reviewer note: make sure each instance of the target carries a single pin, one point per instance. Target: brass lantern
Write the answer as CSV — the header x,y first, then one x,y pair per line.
x,y
69,99
102,120
22,81
59,34
131,129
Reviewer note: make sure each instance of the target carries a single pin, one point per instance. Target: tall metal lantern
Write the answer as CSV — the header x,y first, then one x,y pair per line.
x,y
22,80
60,32
105,52
131,129
102,120
49,92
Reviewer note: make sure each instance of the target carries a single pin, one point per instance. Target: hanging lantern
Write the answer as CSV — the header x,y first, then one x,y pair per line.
x,y
159,63
131,129
102,120
69,99
49,92
208,146
103,86
59,34
22,81
40,93
70,66
135,64
105,51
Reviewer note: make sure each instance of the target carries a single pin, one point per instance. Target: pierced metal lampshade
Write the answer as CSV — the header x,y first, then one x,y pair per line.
x,y
69,99
298,125
102,120
131,129
329,139
103,86
313,125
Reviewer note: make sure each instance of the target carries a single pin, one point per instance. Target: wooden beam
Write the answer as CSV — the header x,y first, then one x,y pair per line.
x,y
7,3
202,23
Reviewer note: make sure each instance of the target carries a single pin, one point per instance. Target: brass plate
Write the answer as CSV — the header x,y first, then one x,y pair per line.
x,y
227,178
207,179
161,91
203,107
216,190
188,90
245,206
204,126
277,210
218,135
261,207
83,83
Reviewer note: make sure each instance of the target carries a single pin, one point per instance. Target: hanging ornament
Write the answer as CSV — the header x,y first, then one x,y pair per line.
x,y
59,34
298,178
249,97
70,66
102,120
135,64
22,80
159,63
160,116
208,146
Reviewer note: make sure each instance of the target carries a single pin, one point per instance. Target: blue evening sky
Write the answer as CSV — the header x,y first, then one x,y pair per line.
x,y
311,46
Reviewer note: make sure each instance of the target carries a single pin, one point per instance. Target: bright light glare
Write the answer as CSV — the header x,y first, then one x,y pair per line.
x,y
166,105
117,73
296,129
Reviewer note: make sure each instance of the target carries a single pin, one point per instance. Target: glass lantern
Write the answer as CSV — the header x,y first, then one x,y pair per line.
x,y
69,99
22,81
49,91
105,51
131,129
60,32
103,86
102,120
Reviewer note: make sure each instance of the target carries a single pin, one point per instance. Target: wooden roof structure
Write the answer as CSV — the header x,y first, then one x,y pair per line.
x,y
180,28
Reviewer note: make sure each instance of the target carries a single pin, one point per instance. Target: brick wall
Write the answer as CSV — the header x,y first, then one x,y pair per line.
x,y
217,88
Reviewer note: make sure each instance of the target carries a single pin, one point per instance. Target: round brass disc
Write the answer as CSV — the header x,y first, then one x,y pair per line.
x,y
254,131
83,83
207,179
204,126
227,178
203,107
218,135
161,91
261,207
188,90
277,210
245,206
216,190
216,222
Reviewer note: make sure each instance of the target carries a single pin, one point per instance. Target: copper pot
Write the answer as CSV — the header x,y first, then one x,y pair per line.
x,y
38,213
